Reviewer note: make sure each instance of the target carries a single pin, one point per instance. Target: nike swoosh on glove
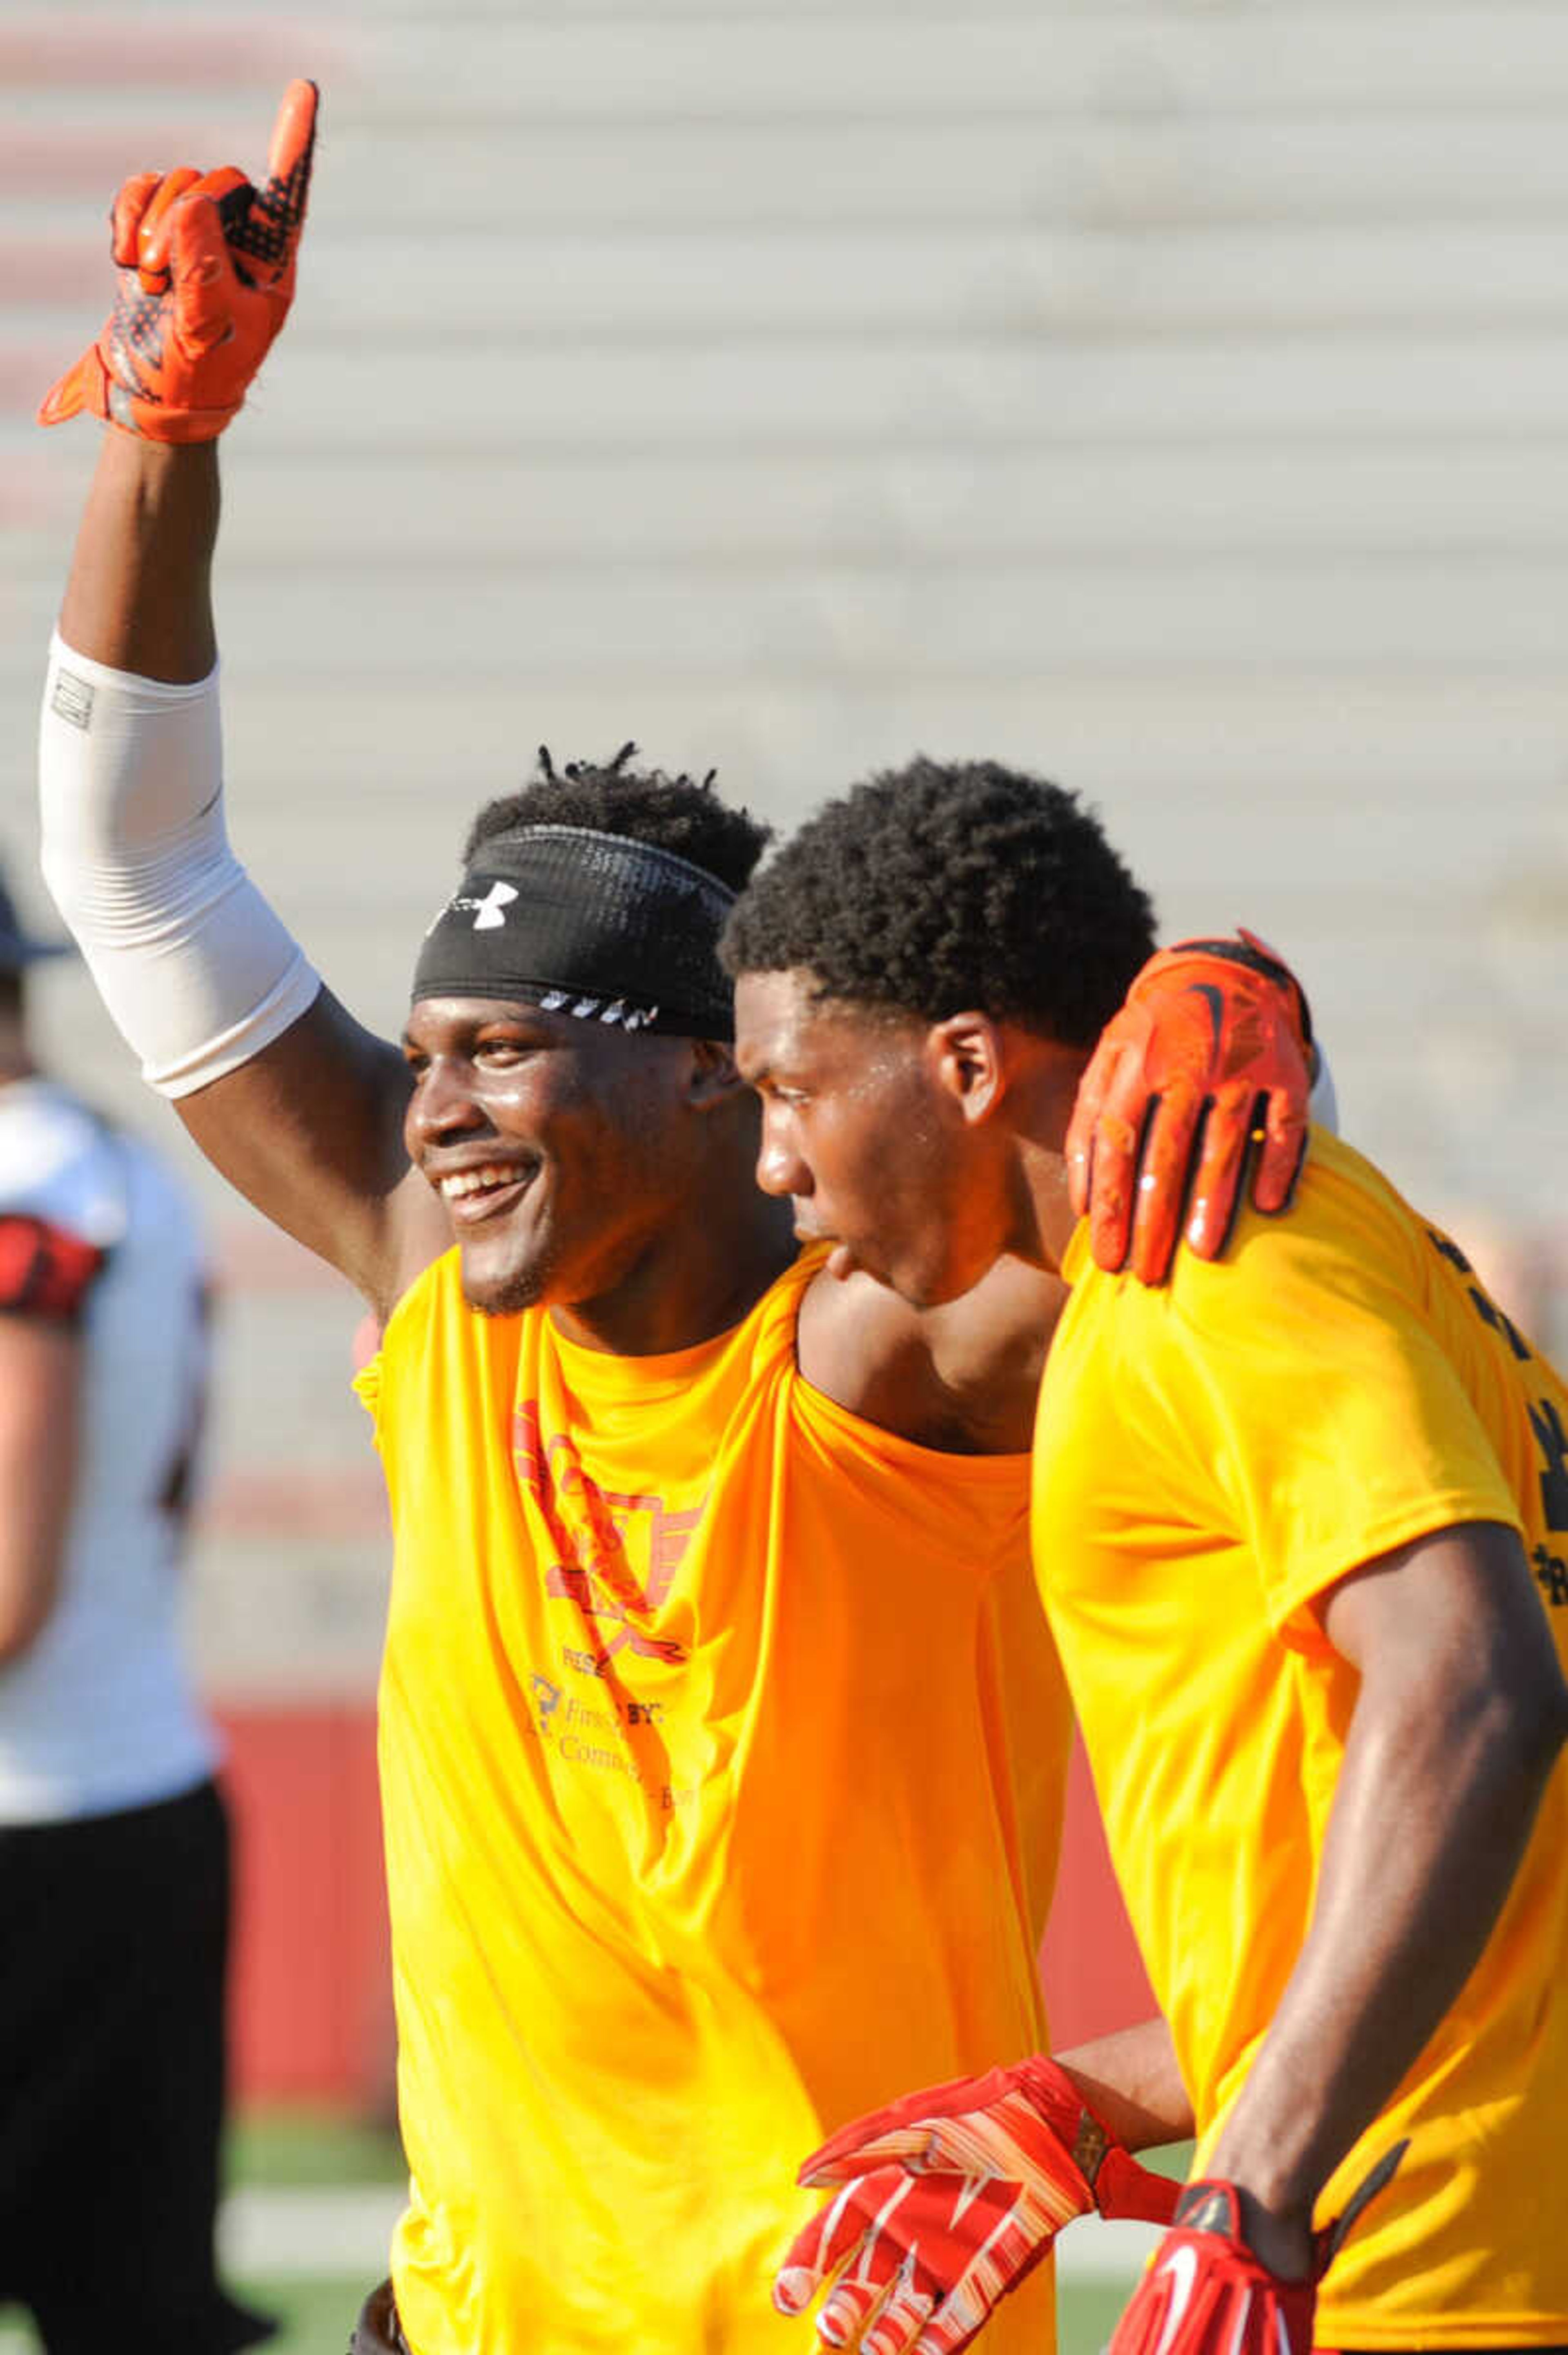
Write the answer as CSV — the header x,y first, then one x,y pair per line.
x,y
1206,2293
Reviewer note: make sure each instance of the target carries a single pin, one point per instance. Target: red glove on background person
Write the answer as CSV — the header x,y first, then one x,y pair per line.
x,y
206,274
950,2197
1206,2293
1209,1061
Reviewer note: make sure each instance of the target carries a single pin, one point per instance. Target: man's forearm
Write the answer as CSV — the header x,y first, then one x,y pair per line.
x,y
1131,2082
139,597
1432,1813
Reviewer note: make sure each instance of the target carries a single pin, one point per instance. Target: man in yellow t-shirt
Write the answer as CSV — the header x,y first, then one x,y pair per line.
x,y
1300,1521
722,1737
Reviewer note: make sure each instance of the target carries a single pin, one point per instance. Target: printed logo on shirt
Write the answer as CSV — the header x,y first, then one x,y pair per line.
x,y
596,1533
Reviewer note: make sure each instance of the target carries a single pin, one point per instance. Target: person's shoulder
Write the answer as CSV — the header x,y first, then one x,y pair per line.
x,y
59,1162
1346,1216
1348,1248
1348,1222
434,1296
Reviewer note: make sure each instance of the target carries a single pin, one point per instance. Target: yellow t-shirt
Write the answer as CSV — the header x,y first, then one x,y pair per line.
x,y
1210,1458
722,1747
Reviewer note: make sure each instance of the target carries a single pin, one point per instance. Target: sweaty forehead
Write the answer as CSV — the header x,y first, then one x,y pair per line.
x,y
454,1025
783,1023
429,1016
776,1014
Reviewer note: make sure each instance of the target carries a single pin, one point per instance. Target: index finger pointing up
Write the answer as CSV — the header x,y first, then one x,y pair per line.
x,y
289,157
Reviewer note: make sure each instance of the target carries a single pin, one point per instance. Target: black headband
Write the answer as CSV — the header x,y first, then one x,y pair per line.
x,y
586,923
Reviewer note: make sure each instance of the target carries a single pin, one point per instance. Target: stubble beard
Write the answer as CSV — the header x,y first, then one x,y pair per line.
x,y
509,1294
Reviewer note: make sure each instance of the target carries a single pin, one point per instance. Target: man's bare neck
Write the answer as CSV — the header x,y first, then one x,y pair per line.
x,y
962,1379
677,1297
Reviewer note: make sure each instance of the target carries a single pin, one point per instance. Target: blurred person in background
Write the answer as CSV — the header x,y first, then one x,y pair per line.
x,y
711,1654
114,1869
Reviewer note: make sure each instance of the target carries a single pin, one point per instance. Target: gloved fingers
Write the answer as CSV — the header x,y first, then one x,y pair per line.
x,y
916,2145
955,2320
202,273
899,2126
1221,1153
959,2145
1254,940
851,2309
1082,1129
125,215
1008,2256
845,2231
1281,1153
905,2317
1113,1161
71,393
264,227
882,2302
1135,1115
952,2326
292,150
1171,1128
155,233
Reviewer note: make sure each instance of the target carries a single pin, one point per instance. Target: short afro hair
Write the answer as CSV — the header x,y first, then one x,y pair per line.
x,y
678,814
943,886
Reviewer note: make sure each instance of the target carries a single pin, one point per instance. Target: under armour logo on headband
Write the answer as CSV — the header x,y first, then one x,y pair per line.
x,y
488,916
600,926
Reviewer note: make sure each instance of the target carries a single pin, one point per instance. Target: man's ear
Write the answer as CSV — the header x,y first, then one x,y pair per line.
x,y
966,1058
712,1077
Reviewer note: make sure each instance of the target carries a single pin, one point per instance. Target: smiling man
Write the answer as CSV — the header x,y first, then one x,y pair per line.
x,y
722,1740
1295,1520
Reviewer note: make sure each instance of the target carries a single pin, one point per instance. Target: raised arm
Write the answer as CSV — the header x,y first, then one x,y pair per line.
x,y
297,1104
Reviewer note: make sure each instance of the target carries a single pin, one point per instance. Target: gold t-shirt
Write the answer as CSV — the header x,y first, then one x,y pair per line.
x,y
1211,1457
722,1747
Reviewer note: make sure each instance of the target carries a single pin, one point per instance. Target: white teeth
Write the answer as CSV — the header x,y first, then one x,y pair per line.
x,y
459,1182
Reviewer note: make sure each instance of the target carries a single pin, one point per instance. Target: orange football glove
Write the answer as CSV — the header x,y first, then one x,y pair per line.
x,y
950,2198
206,274
1205,1071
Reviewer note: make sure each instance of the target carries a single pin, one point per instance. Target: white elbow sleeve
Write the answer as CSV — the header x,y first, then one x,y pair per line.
x,y
192,964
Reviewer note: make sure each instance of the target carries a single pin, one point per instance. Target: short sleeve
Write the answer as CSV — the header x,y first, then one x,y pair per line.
x,y
1291,1402
1335,1424
45,1271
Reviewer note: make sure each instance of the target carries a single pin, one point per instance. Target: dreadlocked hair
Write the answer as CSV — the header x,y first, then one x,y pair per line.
x,y
939,887
679,813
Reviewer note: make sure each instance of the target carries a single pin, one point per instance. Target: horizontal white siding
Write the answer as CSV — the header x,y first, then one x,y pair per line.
x,y
1174,399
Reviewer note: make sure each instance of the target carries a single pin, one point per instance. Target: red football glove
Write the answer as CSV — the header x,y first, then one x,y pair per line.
x,y
206,274
1209,1058
1205,2293
950,2197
